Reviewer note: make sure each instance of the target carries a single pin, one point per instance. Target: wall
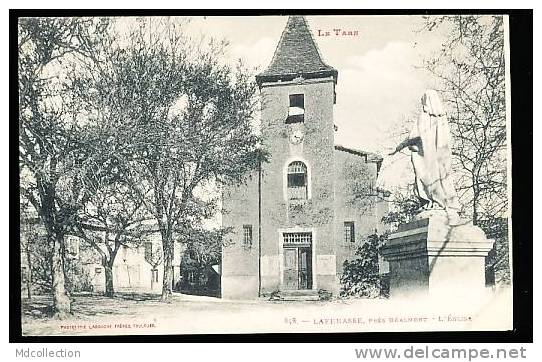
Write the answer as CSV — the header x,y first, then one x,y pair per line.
x,y
355,201
334,176
131,272
316,151
239,279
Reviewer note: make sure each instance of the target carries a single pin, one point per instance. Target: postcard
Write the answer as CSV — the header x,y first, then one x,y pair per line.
x,y
264,174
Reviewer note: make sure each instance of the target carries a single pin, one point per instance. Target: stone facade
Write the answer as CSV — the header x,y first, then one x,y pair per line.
x,y
288,219
132,272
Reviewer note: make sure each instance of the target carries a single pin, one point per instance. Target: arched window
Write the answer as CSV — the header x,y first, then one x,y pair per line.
x,y
297,181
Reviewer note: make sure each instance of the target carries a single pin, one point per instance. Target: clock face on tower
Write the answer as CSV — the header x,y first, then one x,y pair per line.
x,y
296,137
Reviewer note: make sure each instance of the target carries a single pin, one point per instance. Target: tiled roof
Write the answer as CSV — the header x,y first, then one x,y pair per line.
x,y
369,156
296,55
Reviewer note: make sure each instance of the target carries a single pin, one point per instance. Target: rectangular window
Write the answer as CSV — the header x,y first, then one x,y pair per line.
x,y
247,235
296,111
349,232
155,275
24,275
72,246
148,251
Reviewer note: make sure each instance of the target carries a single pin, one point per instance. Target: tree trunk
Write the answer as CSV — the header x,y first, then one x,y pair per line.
x,y
167,248
29,273
61,301
476,193
109,288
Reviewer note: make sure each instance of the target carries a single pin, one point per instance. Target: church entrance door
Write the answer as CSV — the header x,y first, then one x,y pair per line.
x,y
297,261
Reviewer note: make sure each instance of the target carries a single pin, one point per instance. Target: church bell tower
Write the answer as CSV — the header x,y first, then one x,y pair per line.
x,y
297,188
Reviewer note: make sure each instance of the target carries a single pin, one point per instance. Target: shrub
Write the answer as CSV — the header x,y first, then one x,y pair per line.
x,y
324,295
361,276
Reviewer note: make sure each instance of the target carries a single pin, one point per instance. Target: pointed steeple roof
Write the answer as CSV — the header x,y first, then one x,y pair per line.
x,y
296,55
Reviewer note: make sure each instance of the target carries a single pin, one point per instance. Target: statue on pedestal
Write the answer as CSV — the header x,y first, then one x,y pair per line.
x,y
436,254
430,144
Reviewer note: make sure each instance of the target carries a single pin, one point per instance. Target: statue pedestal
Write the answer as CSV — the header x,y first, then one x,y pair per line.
x,y
436,257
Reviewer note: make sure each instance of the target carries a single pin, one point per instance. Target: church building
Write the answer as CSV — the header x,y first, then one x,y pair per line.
x,y
305,211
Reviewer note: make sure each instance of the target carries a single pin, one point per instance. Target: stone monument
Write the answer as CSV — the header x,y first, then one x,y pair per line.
x,y
438,254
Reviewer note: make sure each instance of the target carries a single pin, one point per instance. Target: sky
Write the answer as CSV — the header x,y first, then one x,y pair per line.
x,y
379,84
380,79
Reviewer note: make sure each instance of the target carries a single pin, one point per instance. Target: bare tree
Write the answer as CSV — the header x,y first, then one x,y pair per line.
x,y
209,139
113,210
29,236
47,135
405,206
471,70
112,216
184,118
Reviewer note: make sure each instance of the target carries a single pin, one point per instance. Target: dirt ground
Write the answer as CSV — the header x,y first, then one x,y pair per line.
x,y
185,314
